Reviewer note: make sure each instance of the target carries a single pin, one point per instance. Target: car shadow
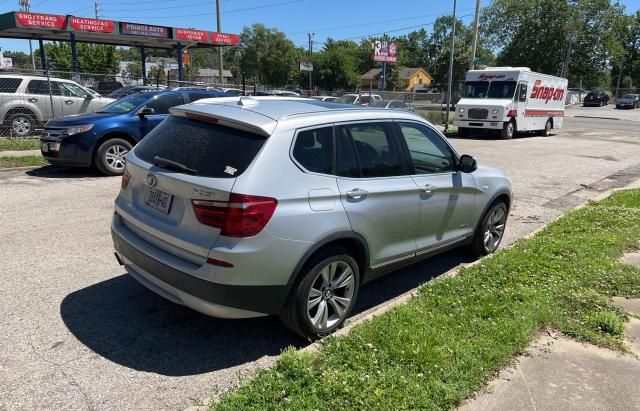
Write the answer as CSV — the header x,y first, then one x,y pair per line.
x,y
124,322
50,171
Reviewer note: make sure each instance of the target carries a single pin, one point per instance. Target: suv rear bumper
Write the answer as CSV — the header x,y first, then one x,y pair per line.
x,y
217,300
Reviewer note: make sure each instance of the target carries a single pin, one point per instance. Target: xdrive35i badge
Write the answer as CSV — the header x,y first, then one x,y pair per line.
x,y
152,180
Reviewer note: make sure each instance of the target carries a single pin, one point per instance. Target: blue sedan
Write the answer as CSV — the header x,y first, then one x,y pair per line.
x,y
103,139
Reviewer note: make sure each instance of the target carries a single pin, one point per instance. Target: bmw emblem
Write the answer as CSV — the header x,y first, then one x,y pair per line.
x,y
152,180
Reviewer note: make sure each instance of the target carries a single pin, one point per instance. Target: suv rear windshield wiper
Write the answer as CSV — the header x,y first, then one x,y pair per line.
x,y
172,165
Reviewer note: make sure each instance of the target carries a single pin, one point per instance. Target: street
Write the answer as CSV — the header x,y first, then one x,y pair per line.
x,y
79,333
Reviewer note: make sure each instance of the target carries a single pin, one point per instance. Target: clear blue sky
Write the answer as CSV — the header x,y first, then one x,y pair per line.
x,y
338,19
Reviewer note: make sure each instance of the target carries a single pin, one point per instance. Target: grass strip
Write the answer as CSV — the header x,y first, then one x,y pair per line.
x,y
28,161
446,343
19,144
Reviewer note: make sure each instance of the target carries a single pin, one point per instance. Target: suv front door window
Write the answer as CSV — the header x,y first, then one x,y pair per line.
x,y
447,196
379,196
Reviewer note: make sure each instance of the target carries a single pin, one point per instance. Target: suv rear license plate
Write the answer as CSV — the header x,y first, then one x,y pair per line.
x,y
159,200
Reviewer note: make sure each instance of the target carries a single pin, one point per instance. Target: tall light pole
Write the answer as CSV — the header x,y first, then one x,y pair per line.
x,y
474,40
221,69
453,44
25,6
311,61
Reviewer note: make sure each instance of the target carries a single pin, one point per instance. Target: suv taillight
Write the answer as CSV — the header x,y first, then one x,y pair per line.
x,y
125,179
241,216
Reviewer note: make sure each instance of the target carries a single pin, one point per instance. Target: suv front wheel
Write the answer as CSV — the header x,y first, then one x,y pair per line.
x,y
110,156
324,296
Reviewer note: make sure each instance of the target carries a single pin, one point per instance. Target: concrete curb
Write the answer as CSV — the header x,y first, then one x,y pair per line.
x,y
20,153
404,298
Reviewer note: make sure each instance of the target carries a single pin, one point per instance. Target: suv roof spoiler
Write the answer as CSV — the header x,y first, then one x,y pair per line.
x,y
234,116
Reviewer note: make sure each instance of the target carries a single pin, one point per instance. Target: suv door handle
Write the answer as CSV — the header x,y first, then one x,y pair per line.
x,y
68,102
357,193
428,189
33,100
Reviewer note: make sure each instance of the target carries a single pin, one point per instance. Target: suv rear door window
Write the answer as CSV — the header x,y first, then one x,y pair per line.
x,y
9,84
42,87
211,150
313,149
162,103
375,149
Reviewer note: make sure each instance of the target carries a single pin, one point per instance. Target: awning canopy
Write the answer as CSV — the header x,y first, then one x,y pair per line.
x,y
59,28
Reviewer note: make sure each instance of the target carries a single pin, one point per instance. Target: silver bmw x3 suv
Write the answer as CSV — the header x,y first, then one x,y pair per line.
x,y
245,207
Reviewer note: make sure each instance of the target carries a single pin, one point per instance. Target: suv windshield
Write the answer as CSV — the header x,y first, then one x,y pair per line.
x,y
347,99
207,150
126,104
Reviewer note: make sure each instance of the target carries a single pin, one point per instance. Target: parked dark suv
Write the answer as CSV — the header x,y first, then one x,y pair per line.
x,y
599,99
104,138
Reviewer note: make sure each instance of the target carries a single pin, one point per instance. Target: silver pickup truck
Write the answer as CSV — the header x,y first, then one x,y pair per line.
x,y
26,101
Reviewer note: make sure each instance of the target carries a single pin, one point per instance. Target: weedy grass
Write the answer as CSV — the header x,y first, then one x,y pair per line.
x,y
447,342
28,161
19,144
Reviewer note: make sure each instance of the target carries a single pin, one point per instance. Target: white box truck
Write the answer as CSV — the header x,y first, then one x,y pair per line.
x,y
511,99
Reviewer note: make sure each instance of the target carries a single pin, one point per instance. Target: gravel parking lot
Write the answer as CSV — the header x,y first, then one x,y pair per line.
x,y
78,333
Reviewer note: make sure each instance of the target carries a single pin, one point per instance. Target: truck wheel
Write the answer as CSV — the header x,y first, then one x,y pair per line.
x,y
508,130
546,132
322,299
463,132
22,124
110,156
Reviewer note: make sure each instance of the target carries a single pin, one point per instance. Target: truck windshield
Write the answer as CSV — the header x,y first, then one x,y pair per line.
x,y
502,89
476,89
485,89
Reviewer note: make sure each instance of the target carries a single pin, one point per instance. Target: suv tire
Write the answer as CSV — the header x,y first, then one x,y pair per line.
x,y
508,130
492,224
328,285
110,156
21,124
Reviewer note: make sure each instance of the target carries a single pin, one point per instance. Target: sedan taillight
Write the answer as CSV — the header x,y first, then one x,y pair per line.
x,y
241,216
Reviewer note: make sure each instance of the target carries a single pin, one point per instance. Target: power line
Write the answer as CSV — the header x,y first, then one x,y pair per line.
x,y
213,14
163,7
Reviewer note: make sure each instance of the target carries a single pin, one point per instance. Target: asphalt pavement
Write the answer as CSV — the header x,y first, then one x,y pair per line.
x,y
78,333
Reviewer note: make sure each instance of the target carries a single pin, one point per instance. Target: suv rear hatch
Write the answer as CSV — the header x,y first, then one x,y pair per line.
x,y
181,165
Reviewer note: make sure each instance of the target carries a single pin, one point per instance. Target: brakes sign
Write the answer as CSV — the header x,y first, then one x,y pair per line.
x,y
546,93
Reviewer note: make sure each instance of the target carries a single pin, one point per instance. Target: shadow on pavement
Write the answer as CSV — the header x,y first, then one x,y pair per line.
x,y
125,323
50,171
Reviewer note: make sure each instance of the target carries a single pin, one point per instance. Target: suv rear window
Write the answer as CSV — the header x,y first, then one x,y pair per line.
x,y
211,150
9,84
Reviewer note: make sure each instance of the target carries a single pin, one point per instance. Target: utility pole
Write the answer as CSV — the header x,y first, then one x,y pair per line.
x,y
453,44
221,70
96,8
474,40
311,61
567,58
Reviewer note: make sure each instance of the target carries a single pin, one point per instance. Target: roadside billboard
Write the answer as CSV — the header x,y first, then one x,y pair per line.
x,y
385,51
306,66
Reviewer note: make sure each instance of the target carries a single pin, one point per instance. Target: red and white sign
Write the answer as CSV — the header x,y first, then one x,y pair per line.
x,y
51,21
547,92
84,24
225,38
385,51
192,35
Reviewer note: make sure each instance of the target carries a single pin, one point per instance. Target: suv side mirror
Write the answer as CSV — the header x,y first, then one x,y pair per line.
x,y
467,164
146,111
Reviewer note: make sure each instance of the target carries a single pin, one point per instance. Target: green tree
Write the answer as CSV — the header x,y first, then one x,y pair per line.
x,y
20,59
157,75
133,71
267,54
336,65
539,34
92,58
